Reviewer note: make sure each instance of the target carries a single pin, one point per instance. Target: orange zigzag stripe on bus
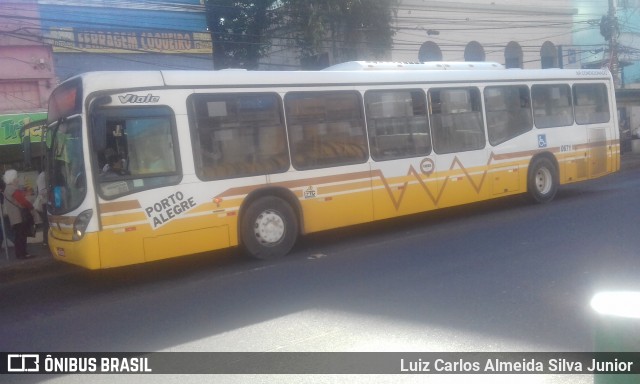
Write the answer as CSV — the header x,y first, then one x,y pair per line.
x,y
435,200
243,191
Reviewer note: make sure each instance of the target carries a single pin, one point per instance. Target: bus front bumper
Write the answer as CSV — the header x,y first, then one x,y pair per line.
x,y
84,252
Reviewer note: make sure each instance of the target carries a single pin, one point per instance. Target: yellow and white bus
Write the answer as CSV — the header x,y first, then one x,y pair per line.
x,y
150,165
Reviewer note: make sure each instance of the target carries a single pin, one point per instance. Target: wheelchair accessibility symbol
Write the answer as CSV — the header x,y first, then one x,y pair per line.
x,y
542,141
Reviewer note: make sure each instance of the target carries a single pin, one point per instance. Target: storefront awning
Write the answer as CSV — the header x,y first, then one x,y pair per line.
x,y
13,127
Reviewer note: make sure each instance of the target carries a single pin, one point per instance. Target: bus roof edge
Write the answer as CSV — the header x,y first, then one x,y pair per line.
x,y
430,65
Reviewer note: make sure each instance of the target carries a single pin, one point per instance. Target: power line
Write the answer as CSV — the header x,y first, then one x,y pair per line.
x,y
115,21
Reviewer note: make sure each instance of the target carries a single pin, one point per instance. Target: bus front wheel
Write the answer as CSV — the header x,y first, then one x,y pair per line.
x,y
542,183
269,228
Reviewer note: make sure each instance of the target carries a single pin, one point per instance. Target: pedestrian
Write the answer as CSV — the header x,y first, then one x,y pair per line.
x,y
5,225
40,204
2,228
14,201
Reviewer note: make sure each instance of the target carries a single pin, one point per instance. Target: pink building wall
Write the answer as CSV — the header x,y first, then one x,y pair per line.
x,y
27,74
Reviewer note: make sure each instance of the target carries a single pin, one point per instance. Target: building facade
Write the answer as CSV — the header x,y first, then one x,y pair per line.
x,y
511,32
95,35
27,77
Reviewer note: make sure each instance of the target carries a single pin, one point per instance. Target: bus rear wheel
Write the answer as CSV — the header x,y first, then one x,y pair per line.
x,y
269,228
542,182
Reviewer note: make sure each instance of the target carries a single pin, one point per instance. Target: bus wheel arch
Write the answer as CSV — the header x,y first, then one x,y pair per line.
x,y
269,223
543,178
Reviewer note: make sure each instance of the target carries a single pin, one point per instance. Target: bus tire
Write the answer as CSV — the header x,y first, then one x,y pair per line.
x,y
269,228
542,181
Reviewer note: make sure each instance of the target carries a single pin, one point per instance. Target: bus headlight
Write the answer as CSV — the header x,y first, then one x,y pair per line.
x,y
81,223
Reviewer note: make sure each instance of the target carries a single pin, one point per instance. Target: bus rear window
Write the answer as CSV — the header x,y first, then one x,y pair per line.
x,y
592,103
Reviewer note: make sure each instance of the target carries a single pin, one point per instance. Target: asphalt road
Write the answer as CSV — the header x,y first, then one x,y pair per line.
x,y
497,276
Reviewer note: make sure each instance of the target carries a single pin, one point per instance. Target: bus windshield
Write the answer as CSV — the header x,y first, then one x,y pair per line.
x,y
65,165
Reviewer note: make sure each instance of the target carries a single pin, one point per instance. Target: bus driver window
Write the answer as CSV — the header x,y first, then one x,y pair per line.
x,y
150,146
141,140
153,154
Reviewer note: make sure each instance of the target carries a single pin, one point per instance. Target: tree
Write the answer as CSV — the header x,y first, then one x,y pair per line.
x,y
348,29
242,31
238,31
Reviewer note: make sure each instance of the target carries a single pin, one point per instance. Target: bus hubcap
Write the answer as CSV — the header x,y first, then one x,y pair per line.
x,y
269,227
543,181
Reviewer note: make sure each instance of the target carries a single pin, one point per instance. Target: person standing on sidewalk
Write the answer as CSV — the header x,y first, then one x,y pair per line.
x,y
14,200
8,232
41,206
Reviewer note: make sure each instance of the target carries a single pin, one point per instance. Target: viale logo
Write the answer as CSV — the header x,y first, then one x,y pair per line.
x,y
135,99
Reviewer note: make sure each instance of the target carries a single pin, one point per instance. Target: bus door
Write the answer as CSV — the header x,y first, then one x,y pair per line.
x,y
508,119
592,111
403,162
555,117
405,186
459,141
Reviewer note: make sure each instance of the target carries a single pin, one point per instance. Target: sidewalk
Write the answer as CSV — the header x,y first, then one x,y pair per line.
x,y
44,260
630,160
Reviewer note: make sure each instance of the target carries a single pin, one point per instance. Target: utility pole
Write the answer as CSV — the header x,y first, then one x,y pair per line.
x,y
614,64
560,58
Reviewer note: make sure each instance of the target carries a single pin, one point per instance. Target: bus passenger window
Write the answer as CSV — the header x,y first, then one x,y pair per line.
x,y
591,103
552,106
237,135
397,123
456,120
325,129
508,112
